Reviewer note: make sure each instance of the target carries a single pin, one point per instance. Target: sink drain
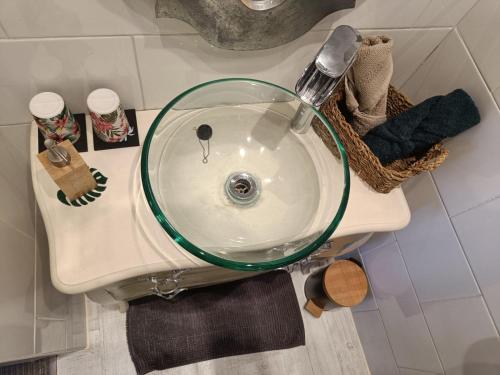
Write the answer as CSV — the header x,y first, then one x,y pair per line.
x,y
242,188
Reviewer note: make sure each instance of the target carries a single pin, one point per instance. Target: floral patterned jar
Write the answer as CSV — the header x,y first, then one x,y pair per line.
x,y
108,118
53,117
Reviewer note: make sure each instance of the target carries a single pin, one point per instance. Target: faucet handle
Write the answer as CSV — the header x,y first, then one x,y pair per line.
x,y
339,51
322,76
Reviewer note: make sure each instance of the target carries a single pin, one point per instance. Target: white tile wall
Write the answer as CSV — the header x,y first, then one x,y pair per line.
x,y
370,14
411,48
171,64
403,319
16,199
474,153
61,18
465,336
430,246
479,232
372,334
72,67
480,29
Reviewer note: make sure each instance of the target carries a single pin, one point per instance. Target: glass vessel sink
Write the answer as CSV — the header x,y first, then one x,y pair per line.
x,y
231,183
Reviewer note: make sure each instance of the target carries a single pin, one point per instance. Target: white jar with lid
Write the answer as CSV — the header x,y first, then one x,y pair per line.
x,y
108,118
53,117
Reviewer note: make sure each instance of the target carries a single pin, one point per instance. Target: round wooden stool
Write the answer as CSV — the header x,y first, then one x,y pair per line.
x,y
343,283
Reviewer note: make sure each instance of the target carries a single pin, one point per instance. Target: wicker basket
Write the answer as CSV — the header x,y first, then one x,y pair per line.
x,y
361,159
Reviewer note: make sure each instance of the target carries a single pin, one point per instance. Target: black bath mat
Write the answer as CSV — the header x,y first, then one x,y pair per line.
x,y
247,316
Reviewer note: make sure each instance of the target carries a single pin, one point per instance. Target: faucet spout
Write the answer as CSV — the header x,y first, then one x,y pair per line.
x,y
323,75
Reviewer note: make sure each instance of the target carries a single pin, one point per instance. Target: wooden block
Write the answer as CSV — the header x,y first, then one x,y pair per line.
x,y
345,283
313,308
74,179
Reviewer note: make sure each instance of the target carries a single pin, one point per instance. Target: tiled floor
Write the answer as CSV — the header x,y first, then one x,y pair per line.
x,y
332,347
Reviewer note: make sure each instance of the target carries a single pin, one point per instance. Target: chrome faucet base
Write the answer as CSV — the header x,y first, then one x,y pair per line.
x,y
301,122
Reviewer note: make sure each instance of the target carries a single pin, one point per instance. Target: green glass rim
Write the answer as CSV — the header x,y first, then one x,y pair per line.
x,y
223,262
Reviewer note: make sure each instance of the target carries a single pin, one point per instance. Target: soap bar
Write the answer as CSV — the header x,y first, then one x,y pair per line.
x,y
74,179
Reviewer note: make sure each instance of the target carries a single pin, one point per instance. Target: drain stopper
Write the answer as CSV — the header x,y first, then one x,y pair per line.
x,y
204,133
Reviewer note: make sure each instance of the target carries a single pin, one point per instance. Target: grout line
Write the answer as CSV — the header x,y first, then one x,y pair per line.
x,y
4,31
402,28
488,201
48,318
102,36
139,77
476,66
466,13
451,299
16,124
420,306
418,370
19,231
321,29
379,314
427,57
468,262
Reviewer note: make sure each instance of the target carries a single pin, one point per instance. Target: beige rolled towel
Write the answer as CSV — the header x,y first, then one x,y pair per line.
x,y
367,83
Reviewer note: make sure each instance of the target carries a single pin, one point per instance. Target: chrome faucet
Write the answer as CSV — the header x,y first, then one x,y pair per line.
x,y
322,76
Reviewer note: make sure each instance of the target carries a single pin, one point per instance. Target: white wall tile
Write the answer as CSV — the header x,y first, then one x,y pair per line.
x,y
411,48
480,30
376,346
464,335
479,234
470,175
17,265
430,246
56,18
403,319
376,14
72,67
17,201
169,65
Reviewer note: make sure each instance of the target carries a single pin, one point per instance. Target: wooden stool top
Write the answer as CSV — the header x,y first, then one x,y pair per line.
x,y
345,283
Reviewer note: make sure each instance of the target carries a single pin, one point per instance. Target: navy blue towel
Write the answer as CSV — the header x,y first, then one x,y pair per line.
x,y
414,132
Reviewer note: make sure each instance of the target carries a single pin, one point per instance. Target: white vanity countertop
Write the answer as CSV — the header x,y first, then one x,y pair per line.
x,y
117,237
